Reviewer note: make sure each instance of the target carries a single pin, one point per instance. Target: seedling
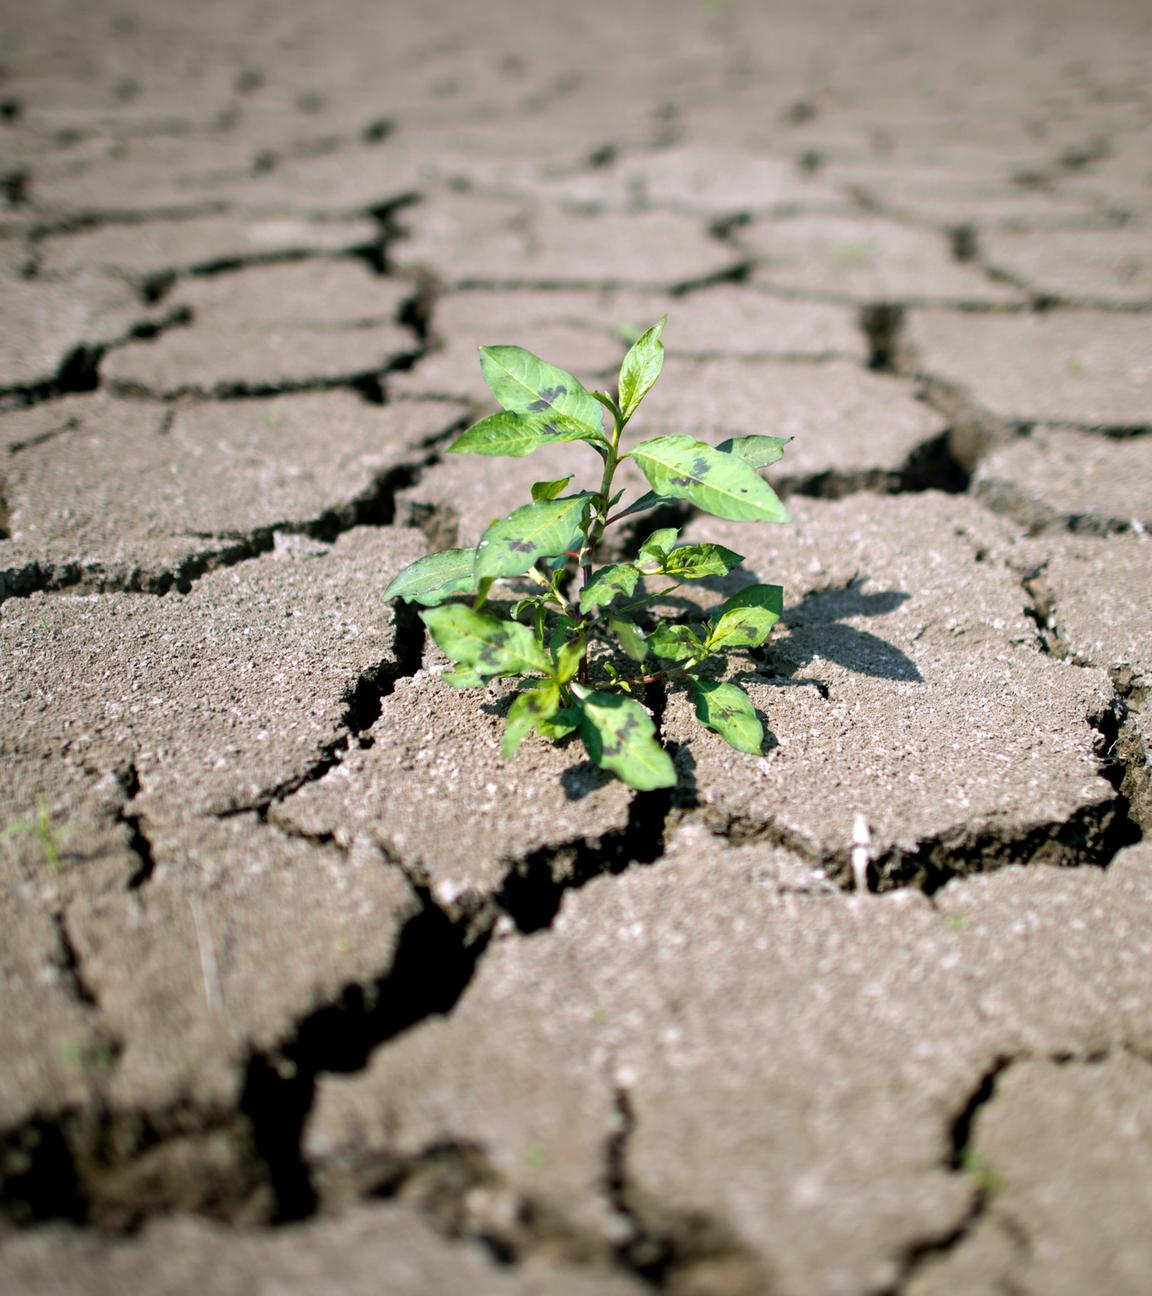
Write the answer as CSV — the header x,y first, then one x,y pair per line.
x,y
43,831
579,635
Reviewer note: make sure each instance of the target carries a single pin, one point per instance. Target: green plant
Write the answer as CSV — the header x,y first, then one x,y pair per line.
x,y
43,830
581,637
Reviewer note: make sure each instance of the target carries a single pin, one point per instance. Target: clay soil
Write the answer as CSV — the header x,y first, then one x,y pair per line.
x,y
305,989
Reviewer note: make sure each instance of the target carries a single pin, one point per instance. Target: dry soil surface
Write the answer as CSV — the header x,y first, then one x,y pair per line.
x,y
303,987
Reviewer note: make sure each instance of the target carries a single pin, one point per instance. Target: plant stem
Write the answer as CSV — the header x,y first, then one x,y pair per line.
x,y
670,672
600,521
648,598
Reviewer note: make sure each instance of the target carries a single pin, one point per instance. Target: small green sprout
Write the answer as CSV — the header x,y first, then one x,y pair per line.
x,y
43,830
988,1180
92,1055
580,636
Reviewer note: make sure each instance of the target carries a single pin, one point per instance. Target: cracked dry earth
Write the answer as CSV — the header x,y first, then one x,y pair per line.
x,y
303,988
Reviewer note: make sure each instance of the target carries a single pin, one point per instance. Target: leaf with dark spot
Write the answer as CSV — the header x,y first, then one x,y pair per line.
x,y
526,713
620,736
718,483
435,577
756,451
548,397
485,645
617,578
518,434
727,710
538,530
746,619
524,383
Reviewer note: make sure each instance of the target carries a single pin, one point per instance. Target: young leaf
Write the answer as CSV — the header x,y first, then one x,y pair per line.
x,y
525,713
512,544
568,659
465,677
693,562
655,549
548,490
726,709
631,637
620,736
562,627
482,588
646,501
561,724
746,619
485,645
618,578
522,382
718,483
756,451
518,434
641,367
435,577
675,643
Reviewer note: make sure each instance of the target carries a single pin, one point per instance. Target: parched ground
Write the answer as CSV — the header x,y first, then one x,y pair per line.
x,y
303,988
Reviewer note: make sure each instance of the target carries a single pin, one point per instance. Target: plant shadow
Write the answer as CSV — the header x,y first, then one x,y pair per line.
x,y
816,629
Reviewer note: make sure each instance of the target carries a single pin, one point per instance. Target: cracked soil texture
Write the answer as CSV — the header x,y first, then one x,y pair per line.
x,y
304,987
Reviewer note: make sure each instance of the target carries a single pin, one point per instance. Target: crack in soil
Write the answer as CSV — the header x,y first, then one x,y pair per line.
x,y
1124,759
674,1251
138,841
79,371
114,1170
882,324
71,972
1090,836
375,507
454,1185
1039,518
364,700
962,1158
435,960
534,887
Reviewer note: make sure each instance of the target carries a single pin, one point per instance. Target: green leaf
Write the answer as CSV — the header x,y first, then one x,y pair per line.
x,y
726,709
641,367
675,643
518,434
525,713
548,490
646,501
466,677
522,382
568,659
561,724
482,588
620,736
746,619
631,637
512,544
485,645
718,483
693,562
756,451
656,548
435,577
562,628
617,578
